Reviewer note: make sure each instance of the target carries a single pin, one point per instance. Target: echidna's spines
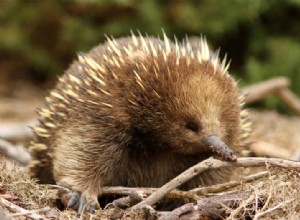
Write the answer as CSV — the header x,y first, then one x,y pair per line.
x,y
226,68
144,45
167,43
190,52
216,59
177,51
74,79
144,67
134,39
149,66
153,50
113,45
57,95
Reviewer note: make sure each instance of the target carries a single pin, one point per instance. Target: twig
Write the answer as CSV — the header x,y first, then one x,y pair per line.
x,y
16,131
242,206
296,156
192,194
128,201
270,196
3,216
16,153
224,186
263,89
45,209
17,209
125,191
261,161
262,148
280,205
277,86
215,207
212,163
174,194
290,99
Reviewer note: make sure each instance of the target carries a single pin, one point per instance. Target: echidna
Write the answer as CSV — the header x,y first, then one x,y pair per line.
x,y
136,112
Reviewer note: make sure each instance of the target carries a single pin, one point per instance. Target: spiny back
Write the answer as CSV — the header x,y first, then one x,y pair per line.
x,y
134,84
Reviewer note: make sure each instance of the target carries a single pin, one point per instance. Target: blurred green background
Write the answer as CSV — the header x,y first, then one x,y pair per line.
x,y
39,39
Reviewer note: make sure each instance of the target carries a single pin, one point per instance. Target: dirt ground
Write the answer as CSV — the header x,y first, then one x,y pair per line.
x,y
273,135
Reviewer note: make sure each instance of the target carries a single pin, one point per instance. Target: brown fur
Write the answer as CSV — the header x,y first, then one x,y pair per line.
x,y
136,133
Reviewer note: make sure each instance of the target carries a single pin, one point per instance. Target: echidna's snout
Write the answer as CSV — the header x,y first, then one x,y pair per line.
x,y
215,143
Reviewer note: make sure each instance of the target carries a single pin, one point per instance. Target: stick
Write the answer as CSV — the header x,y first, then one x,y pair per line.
x,y
263,89
290,99
215,207
16,153
241,206
174,194
277,86
16,131
296,156
45,209
262,148
124,191
224,186
212,163
128,201
280,205
14,208
3,216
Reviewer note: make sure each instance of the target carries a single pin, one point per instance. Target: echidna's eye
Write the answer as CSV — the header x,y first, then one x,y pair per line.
x,y
192,126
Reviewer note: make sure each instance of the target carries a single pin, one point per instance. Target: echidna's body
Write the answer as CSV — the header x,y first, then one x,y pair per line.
x,y
136,112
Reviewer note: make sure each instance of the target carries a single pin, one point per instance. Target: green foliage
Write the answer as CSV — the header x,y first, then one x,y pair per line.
x,y
261,37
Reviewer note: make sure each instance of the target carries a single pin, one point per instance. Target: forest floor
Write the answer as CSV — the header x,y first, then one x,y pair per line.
x,y
274,135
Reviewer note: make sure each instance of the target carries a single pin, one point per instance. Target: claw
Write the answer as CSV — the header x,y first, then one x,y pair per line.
x,y
92,209
82,204
74,199
79,200
64,185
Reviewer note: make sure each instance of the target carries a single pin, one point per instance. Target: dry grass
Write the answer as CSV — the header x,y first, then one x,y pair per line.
x,y
281,188
17,187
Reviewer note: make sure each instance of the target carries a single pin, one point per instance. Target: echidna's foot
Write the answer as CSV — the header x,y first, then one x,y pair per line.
x,y
80,201
84,201
64,185
219,148
74,199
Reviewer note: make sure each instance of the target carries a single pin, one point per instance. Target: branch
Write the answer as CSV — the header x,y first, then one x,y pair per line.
x,y
130,192
212,163
241,206
17,131
290,99
192,194
124,191
280,205
224,186
215,207
277,86
16,153
45,209
263,89
17,209
262,148
3,216
128,201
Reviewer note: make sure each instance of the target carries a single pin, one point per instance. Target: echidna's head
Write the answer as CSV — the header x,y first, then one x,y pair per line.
x,y
203,108
186,105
